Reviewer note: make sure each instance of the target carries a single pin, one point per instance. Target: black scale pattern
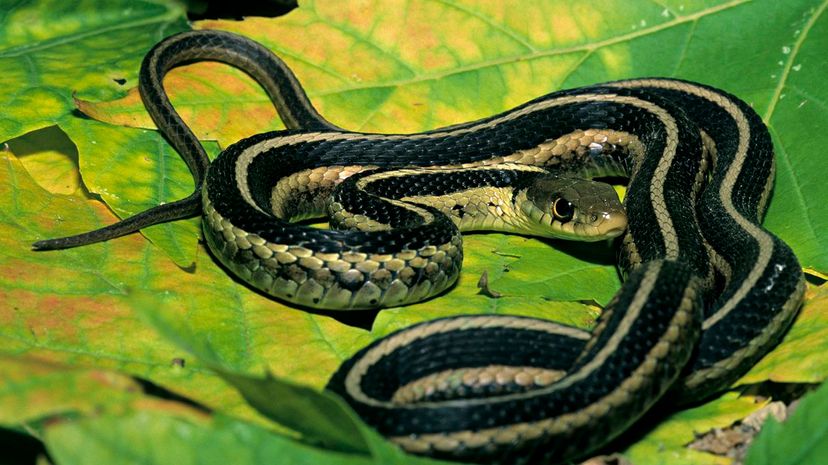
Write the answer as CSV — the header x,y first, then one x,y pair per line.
x,y
369,199
756,311
441,183
478,347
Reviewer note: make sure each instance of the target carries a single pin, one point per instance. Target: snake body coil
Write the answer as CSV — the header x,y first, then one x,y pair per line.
x,y
707,290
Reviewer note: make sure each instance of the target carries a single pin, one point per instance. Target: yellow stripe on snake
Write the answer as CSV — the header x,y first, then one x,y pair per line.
x,y
707,290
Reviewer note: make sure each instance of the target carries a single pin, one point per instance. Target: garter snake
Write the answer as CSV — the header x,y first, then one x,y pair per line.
x,y
707,289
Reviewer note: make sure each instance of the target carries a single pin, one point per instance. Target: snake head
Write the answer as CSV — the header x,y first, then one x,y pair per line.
x,y
572,208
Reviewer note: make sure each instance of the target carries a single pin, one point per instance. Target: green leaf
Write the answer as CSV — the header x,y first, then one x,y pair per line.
x,y
52,49
33,390
367,66
91,49
322,418
802,439
147,438
319,416
228,326
540,271
37,393
222,344
800,358
201,93
51,158
795,109
129,440
73,308
666,443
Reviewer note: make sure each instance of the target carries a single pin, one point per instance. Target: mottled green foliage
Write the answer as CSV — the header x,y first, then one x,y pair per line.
x,y
86,321
801,440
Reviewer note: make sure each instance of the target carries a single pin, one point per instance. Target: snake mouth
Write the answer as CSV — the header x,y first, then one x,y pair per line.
x,y
614,232
612,225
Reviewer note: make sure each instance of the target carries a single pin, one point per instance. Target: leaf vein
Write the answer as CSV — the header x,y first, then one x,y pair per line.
x,y
686,46
433,76
361,39
797,189
786,71
321,335
101,31
507,31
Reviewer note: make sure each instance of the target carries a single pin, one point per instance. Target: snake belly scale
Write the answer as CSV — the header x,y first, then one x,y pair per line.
x,y
707,289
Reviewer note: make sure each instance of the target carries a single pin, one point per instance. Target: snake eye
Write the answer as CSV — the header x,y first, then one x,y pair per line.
x,y
563,209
